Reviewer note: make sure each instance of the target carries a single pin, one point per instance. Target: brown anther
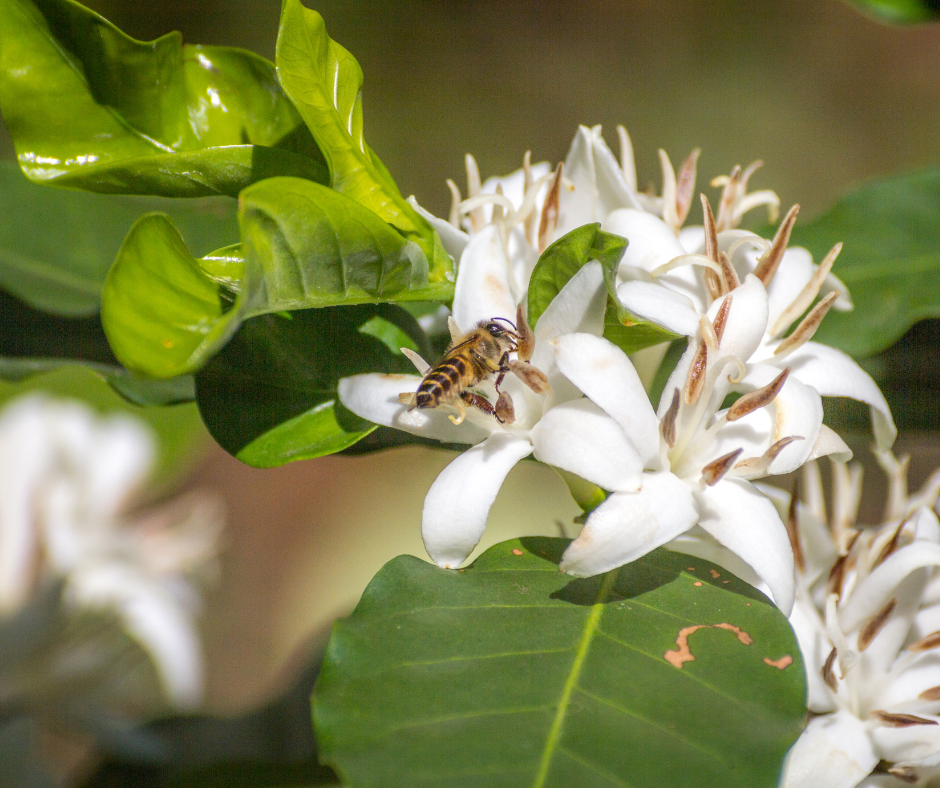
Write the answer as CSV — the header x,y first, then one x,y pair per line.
x,y
875,624
497,207
529,223
695,381
454,217
716,469
477,219
900,720
711,237
729,277
808,325
533,377
505,412
526,346
667,425
769,262
685,185
549,218
892,544
721,319
806,296
793,531
926,643
837,575
930,694
754,464
726,203
906,774
754,400
828,675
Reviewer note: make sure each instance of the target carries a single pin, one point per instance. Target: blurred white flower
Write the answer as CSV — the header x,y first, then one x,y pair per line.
x,y
80,573
867,618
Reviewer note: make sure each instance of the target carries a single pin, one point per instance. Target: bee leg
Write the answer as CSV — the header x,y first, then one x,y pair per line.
x,y
478,401
533,377
526,343
461,411
503,369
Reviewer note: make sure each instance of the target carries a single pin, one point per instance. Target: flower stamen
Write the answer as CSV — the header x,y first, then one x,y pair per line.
x,y
807,294
753,400
875,624
716,469
807,327
769,262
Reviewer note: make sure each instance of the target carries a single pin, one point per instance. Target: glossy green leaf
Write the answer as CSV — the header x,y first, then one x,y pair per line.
x,y
564,258
269,397
510,674
90,107
163,314
325,83
316,247
890,260
899,11
56,245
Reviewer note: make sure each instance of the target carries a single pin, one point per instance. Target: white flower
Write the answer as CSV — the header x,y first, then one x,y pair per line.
x,y
868,622
670,278
65,479
691,463
484,292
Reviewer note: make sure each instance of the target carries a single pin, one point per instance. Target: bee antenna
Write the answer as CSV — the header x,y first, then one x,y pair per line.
x,y
507,321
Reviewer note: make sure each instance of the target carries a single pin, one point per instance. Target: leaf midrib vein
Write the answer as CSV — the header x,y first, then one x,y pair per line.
x,y
590,627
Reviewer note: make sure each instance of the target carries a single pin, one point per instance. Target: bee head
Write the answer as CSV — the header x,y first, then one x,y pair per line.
x,y
501,328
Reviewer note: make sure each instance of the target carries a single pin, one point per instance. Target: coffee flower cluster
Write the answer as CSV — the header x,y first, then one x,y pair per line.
x,y
686,465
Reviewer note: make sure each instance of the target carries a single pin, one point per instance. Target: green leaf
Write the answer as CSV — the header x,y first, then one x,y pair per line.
x,y
890,260
325,83
269,397
564,258
164,314
316,247
56,245
898,11
89,107
511,674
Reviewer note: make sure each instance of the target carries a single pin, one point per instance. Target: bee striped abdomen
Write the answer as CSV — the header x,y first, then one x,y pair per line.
x,y
445,381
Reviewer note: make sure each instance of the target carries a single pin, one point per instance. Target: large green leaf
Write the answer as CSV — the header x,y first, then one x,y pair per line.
x,y
510,674
163,313
325,83
890,260
316,247
88,106
564,258
56,245
270,396
899,11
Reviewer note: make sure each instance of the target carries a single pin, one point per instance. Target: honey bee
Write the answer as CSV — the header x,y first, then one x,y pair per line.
x,y
471,359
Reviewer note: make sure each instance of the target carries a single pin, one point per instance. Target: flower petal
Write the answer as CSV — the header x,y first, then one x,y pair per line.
x,y
483,289
458,503
834,750
660,305
911,745
604,373
599,185
579,437
629,525
453,239
375,397
836,374
870,596
577,308
747,319
747,523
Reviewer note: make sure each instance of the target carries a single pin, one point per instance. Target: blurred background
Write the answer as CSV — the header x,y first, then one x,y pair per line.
x,y
823,95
